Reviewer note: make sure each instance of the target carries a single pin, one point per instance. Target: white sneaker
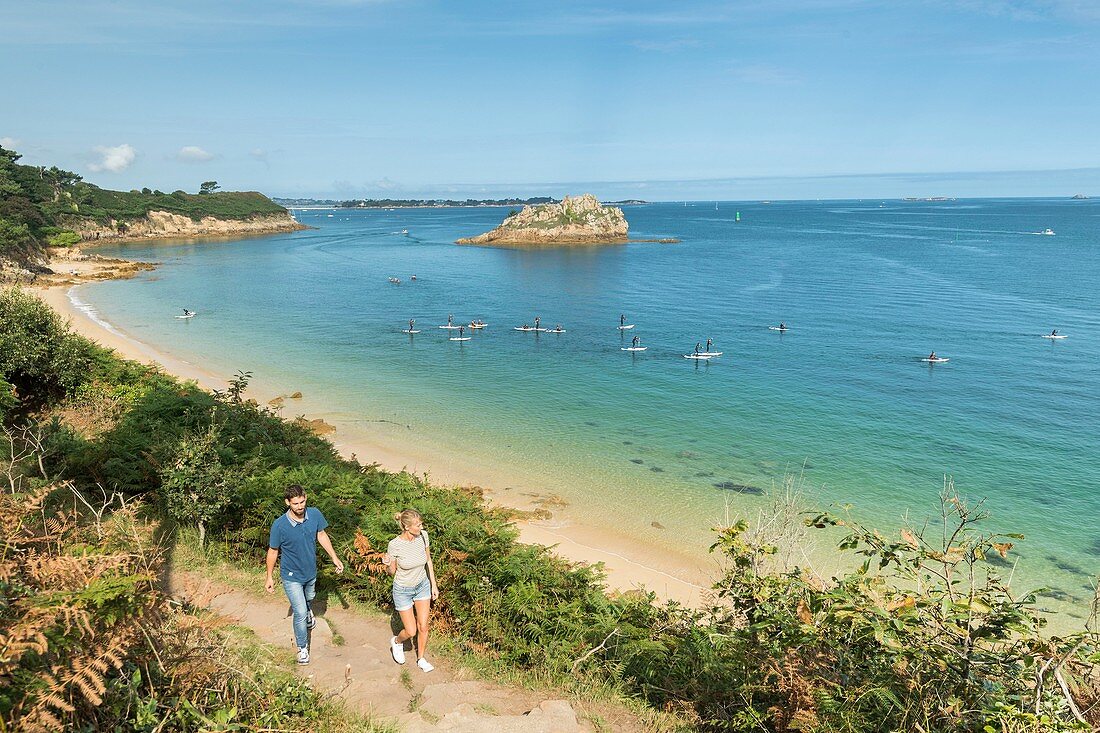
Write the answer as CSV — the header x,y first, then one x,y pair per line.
x,y
397,650
424,664
303,655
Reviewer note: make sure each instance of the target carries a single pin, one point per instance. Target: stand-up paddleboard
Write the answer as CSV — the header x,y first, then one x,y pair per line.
x,y
711,353
633,348
555,330
460,338
937,360
777,328
1045,335
454,328
626,328
189,315
410,331
702,357
528,328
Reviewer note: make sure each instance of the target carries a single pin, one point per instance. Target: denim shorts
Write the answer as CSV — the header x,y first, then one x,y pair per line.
x,y
403,596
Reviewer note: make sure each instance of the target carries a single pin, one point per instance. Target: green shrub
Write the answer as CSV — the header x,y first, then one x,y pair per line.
x,y
38,354
64,239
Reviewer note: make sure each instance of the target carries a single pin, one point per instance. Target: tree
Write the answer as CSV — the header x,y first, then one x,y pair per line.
x,y
58,179
194,482
209,187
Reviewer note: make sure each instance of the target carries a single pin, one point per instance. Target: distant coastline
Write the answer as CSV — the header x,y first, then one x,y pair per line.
x,y
308,203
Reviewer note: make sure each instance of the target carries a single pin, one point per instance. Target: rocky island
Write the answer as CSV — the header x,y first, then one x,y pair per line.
x,y
576,220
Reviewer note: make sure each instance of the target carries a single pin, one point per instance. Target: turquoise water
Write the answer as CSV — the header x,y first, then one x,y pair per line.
x,y
842,398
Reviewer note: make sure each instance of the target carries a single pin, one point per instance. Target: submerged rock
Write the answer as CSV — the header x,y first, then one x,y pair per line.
x,y
739,488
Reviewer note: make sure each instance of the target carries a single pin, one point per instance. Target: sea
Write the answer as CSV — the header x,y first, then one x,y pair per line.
x,y
661,447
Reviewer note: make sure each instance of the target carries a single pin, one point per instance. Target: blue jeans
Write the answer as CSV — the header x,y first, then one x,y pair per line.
x,y
300,595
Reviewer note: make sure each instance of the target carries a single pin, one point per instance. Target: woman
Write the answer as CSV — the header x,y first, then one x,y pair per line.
x,y
409,561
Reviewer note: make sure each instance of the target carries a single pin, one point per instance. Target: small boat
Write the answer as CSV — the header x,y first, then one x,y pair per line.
x,y
1048,232
477,325
395,280
404,231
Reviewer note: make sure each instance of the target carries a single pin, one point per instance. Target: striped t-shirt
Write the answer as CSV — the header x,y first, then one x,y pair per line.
x,y
411,556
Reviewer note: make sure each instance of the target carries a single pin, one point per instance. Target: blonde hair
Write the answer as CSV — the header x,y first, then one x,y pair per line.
x,y
406,517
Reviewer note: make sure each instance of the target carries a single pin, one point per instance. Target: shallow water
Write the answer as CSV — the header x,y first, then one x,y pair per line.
x,y
867,288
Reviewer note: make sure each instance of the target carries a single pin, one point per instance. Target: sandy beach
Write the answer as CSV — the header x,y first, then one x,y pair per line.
x,y
630,564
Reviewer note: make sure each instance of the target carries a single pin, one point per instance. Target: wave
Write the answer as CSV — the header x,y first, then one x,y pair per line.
x,y
89,310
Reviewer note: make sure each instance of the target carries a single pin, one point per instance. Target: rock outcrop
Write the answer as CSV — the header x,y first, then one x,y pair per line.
x,y
160,224
576,220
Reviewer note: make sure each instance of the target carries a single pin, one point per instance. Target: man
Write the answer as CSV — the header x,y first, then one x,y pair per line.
x,y
295,536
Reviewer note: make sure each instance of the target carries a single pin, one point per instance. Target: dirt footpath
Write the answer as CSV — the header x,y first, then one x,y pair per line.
x,y
361,671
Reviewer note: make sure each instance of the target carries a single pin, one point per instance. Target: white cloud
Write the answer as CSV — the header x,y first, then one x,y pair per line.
x,y
114,160
385,184
8,142
193,154
258,154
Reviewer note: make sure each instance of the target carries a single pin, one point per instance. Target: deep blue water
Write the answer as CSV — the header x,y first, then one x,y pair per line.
x,y
867,288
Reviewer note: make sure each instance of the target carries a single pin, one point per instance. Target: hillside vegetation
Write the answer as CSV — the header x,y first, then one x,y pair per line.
x,y
923,634
42,206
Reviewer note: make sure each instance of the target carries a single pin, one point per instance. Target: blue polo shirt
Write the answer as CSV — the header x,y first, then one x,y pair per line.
x,y
297,545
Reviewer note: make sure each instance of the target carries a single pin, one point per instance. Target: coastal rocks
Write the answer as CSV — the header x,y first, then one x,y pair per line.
x,y
576,220
161,224
70,266
317,426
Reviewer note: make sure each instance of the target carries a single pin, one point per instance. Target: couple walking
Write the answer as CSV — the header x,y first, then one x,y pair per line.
x,y
293,542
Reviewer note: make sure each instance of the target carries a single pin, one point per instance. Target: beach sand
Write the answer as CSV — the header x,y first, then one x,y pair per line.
x,y
630,564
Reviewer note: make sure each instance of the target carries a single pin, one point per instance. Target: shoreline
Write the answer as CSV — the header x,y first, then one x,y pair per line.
x,y
227,235
629,563
573,532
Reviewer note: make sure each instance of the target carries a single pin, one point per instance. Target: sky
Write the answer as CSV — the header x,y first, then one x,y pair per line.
x,y
775,99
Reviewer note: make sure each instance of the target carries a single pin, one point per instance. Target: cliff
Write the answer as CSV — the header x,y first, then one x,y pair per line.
x,y
576,220
159,224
